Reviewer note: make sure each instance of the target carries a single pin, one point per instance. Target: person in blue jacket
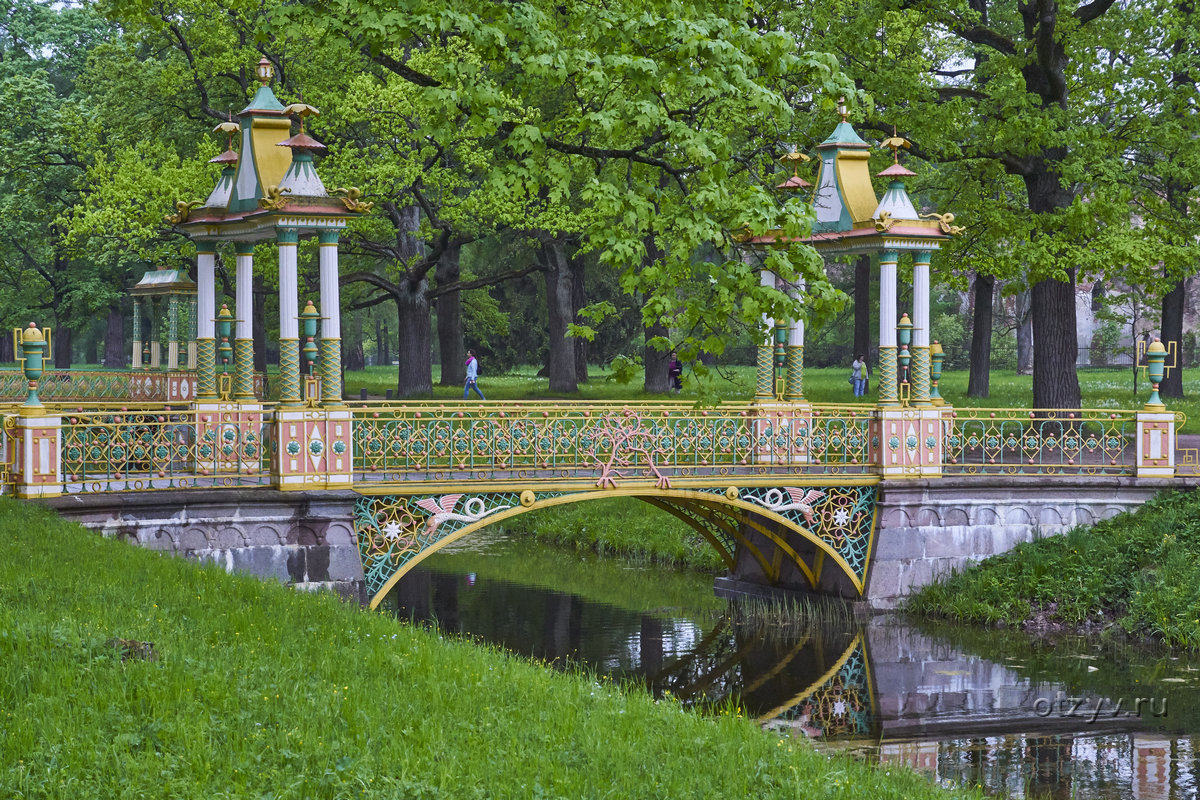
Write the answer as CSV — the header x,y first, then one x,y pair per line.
x,y
472,376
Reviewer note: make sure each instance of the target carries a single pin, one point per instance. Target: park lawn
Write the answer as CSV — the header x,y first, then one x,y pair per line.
x,y
1138,573
252,689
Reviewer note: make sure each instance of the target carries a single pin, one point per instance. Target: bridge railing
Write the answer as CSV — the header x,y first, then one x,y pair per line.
x,y
1009,441
139,449
112,386
604,442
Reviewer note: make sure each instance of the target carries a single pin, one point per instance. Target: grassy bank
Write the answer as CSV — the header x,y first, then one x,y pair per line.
x,y
622,527
255,690
1137,572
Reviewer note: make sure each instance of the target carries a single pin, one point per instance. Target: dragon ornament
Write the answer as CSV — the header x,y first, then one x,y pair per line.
x,y
945,223
274,201
350,197
182,209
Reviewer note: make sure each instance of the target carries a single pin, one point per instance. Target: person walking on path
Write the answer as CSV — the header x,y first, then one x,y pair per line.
x,y
675,372
472,376
859,375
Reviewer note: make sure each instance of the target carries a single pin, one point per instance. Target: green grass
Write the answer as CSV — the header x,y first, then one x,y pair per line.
x,y
1137,572
257,690
623,527
1101,388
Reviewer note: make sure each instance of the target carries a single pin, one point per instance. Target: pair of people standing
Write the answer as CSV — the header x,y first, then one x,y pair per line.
x,y
472,377
859,375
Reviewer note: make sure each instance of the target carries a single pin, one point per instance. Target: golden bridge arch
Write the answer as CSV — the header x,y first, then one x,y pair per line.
x,y
806,525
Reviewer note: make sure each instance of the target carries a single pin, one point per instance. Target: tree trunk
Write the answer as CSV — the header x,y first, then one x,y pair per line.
x,y
862,307
1172,331
578,301
449,320
114,339
7,356
981,337
1055,382
1024,334
378,342
62,347
414,340
658,379
353,356
560,362
258,326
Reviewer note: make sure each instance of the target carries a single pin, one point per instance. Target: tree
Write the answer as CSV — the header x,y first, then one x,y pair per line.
x,y
1036,100
583,111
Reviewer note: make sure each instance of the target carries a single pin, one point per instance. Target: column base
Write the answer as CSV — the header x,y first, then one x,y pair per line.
x,y
1155,444
315,449
911,442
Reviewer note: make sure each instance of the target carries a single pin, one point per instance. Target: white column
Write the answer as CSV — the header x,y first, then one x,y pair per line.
x,y
796,332
920,301
887,299
767,278
243,297
288,299
331,325
206,295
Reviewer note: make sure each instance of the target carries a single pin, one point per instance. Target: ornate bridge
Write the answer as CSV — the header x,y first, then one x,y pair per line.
x,y
788,492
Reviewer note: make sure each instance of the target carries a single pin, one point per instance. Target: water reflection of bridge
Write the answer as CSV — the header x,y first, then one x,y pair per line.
x,y
883,690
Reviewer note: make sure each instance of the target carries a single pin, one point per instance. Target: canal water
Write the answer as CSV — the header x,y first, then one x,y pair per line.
x,y
1059,718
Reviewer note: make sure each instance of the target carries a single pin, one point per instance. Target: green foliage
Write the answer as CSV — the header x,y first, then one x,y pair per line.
x,y
257,690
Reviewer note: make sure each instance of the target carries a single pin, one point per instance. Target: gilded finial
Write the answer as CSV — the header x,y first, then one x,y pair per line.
x,y
301,110
843,110
794,159
895,142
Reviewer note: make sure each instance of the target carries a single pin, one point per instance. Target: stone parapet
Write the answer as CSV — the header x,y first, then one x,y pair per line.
x,y
304,539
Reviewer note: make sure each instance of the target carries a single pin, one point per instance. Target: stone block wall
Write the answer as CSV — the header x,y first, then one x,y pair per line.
x,y
304,539
927,528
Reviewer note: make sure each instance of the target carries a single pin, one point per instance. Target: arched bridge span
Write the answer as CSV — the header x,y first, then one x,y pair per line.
x,y
810,528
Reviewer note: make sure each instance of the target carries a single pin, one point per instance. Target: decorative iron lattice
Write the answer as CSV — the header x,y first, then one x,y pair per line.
x,y
71,385
143,450
841,516
843,706
392,530
603,443
1041,442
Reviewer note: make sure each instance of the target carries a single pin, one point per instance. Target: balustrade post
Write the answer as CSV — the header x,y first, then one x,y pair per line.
x,y
36,437
1155,425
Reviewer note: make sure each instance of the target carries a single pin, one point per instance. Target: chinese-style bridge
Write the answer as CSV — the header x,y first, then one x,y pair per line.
x,y
855,500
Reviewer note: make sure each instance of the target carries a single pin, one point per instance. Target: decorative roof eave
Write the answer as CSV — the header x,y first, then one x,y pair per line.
x,y
904,235
163,282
